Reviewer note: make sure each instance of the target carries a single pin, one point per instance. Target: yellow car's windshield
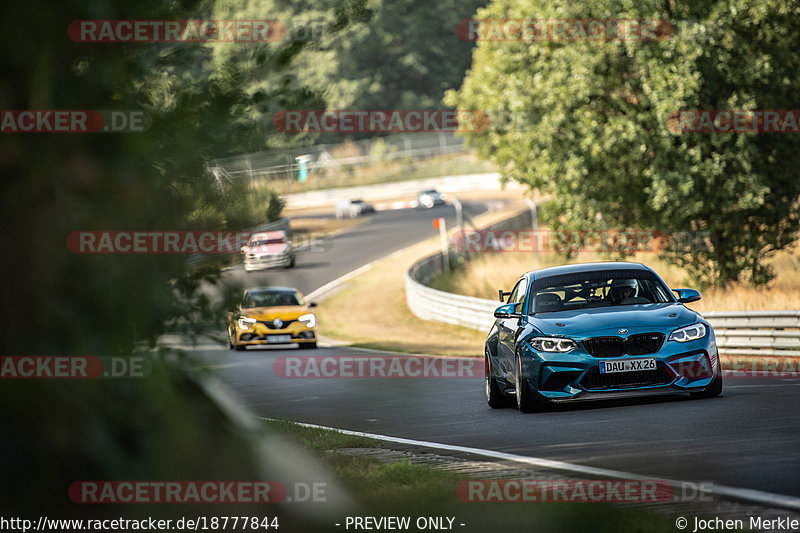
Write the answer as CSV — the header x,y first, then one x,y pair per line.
x,y
271,298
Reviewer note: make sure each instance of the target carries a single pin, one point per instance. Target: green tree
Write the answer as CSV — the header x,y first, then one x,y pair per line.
x,y
156,179
400,54
592,129
358,54
56,302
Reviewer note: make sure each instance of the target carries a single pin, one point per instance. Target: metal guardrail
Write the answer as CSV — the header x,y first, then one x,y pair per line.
x,y
331,158
770,333
392,191
747,333
431,304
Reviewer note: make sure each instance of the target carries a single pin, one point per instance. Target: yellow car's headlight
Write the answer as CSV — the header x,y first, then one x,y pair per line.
x,y
245,322
309,319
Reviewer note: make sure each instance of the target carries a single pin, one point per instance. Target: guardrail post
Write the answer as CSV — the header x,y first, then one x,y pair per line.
x,y
439,224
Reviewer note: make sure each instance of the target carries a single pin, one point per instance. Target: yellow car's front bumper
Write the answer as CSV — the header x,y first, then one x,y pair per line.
x,y
260,334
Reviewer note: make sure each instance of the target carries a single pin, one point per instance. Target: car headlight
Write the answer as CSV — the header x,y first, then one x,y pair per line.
x,y
309,319
689,333
245,322
553,344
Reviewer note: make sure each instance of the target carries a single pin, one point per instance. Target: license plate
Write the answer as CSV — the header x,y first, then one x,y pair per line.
x,y
627,365
279,339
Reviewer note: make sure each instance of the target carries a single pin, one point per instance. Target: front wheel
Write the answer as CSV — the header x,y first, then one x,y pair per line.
x,y
494,397
231,337
713,389
307,345
527,402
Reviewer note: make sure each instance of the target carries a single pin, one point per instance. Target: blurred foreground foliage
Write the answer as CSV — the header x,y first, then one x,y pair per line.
x,y
56,302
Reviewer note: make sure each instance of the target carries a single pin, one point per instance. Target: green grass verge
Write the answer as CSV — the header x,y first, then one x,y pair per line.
x,y
404,489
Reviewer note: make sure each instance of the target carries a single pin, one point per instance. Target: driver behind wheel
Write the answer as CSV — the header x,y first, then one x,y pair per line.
x,y
623,291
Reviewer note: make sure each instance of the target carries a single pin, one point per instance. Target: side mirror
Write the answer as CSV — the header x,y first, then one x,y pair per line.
x,y
506,311
502,294
312,304
686,296
243,249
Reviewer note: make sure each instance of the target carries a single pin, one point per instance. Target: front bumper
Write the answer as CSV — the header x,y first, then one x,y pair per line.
x,y
260,261
259,334
429,204
680,368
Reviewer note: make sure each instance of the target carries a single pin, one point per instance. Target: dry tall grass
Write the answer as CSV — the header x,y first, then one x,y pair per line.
x,y
491,271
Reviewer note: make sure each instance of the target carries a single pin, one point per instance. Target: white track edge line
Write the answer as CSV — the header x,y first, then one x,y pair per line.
x,y
747,495
347,277
338,281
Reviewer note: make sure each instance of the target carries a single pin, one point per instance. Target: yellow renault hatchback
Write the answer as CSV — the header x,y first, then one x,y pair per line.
x,y
272,315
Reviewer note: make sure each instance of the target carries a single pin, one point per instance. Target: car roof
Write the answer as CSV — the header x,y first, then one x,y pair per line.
x,y
268,235
584,267
270,288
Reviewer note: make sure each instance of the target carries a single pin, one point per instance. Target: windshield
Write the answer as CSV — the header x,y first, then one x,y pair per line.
x,y
264,242
272,298
596,289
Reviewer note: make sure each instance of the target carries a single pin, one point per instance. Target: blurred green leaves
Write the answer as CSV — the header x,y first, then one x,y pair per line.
x,y
54,184
60,303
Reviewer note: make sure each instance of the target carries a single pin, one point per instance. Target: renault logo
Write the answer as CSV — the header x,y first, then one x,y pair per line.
x,y
278,323
622,331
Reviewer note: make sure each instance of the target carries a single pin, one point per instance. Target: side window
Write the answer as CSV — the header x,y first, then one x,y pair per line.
x,y
512,297
522,289
517,295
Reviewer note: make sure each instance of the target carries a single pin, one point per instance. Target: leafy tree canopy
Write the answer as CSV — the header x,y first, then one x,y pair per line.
x,y
592,127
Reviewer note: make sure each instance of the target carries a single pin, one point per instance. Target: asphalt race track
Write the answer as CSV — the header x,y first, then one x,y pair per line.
x,y
329,258
748,438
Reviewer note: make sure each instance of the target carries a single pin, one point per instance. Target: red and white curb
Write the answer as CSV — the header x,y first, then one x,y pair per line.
x,y
390,206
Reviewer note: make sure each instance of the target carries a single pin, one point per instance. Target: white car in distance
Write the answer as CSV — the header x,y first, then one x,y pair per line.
x,y
268,249
353,209
430,198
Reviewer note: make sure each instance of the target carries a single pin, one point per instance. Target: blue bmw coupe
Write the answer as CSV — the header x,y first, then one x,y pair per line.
x,y
597,330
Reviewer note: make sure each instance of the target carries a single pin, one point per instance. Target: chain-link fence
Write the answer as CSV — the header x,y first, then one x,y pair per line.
x,y
331,159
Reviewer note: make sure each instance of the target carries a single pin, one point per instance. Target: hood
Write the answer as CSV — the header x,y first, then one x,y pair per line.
x,y
284,312
638,318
